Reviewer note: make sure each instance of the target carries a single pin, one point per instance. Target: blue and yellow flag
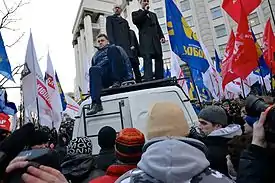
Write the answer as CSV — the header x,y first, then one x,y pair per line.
x,y
62,96
5,67
218,62
183,40
262,64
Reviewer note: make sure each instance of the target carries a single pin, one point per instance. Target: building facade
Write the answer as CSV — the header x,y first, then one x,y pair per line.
x,y
206,17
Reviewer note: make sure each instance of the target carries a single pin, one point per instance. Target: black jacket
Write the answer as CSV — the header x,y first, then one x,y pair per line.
x,y
150,32
118,32
134,42
105,159
80,168
217,152
256,166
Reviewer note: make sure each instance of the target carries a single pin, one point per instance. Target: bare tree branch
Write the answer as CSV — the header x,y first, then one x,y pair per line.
x,y
8,18
16,41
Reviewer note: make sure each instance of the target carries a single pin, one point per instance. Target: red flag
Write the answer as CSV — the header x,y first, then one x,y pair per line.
x,y
227,73
269,46
245,52
234,7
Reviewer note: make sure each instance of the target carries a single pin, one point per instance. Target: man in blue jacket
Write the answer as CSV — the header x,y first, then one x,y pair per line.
x,y
109,68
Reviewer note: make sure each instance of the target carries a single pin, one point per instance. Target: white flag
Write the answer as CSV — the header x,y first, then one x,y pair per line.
x,y
54,95
176,71
211,78
34,88
72,108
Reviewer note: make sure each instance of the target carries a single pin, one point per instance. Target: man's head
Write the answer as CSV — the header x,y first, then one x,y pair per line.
x,y
129,143
144,3
102,40
107,137
212,118
117,9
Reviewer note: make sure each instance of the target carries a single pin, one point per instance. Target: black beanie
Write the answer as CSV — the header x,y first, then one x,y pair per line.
x,y
107,137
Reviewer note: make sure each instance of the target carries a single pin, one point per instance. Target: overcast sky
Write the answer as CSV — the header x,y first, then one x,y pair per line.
x,y
51,23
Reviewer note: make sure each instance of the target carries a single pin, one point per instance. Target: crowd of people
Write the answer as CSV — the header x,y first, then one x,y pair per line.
x,y
218,150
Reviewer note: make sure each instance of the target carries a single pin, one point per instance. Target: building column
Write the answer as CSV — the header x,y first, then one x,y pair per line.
x,y
84,63
80,58
102,23
89,37
77,73
204,28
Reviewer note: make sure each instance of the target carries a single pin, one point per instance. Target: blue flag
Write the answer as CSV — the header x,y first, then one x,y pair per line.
x,y
62,96
203,91
5,67
262,64
183,40
218,62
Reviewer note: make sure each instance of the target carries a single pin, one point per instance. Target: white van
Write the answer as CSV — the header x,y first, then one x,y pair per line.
x,y
128,106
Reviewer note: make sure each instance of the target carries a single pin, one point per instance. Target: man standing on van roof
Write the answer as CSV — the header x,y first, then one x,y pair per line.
x,y
150,39
108,69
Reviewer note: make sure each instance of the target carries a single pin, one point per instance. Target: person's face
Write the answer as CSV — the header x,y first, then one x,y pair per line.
x,y
207,127
102,41
226,107
117,10
247,128
144,3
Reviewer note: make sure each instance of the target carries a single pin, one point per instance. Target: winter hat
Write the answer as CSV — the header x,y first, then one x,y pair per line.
x,y
80,145
250,120
166,119
214,114
4,122
106,137
129,143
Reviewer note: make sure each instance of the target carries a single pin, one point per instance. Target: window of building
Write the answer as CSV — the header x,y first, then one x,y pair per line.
x,y
155,1
220,31
190,21
165,46
159,12
185,5
216,12
164,28
222,49
253,19
259,38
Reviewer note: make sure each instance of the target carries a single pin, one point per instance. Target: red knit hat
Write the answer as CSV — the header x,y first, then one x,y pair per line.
x,y
129,143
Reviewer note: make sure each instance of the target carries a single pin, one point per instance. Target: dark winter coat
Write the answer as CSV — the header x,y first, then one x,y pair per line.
x,y
113,173
118,32
217,146
168,160
134,43
80,168
150,32
105,158
256,166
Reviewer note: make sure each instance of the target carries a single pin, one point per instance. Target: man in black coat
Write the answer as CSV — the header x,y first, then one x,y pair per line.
x,y
136,53
150,39
118,30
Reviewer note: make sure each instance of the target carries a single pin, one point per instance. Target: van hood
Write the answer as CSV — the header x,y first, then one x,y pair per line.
x,y
173,160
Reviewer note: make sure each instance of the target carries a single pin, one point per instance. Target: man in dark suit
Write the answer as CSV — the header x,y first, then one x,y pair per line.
x,y
150,39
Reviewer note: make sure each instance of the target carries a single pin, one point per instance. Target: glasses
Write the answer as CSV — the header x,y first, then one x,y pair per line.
x,y
145,1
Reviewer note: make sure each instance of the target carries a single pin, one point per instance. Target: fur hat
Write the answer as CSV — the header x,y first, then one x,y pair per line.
x,y
166,119
214,114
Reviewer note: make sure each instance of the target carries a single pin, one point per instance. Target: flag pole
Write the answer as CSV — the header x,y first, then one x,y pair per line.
x,y
261,73
195,86
271,11
242,86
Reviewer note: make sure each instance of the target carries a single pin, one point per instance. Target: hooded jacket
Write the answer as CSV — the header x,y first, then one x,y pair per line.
x,y
80,168
170,160
216,142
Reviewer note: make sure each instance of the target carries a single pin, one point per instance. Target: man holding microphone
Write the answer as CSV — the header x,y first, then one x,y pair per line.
x,y
150,39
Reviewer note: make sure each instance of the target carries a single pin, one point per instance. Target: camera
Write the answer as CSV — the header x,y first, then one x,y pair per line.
x,y
254,107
